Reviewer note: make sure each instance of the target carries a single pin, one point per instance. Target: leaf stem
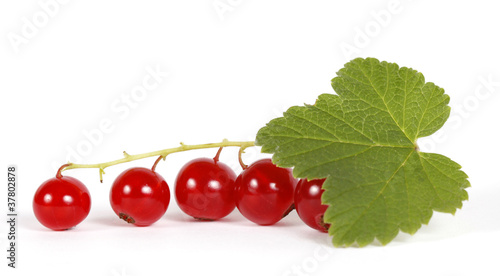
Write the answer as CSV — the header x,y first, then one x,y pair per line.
x,y
161,153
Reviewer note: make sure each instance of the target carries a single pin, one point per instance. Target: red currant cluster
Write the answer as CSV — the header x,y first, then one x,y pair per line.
x,y
205,189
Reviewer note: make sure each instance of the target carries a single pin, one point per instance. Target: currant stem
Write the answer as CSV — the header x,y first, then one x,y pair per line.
x,y
162,153
243,165
58,174
216,157
156,162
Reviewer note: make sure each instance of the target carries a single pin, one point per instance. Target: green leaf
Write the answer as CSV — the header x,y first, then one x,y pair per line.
x,y
363,140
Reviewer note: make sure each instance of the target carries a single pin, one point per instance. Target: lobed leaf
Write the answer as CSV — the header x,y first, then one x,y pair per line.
x,y
363,140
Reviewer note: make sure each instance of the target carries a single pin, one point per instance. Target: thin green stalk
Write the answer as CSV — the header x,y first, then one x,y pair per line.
x,y
163,153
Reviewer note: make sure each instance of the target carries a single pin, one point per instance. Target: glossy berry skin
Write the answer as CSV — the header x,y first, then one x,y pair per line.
x,y
140,196
264,192
61,203
308,203
204,189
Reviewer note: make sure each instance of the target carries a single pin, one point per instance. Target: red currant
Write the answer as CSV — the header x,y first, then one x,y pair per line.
x,y
264,192
204,189
61,203
140,196
308,203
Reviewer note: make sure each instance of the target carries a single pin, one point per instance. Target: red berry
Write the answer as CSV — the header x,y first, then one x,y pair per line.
x,y
308,203
204,189
61,203
264,192
140,196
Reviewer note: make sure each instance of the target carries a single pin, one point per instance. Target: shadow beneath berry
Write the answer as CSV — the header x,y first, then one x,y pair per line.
x,y
234,217
109,220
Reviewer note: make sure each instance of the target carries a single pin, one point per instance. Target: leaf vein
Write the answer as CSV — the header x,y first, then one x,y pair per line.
x,y
378,195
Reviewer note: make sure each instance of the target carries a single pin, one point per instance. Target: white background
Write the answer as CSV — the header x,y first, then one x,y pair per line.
x,y
230,72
